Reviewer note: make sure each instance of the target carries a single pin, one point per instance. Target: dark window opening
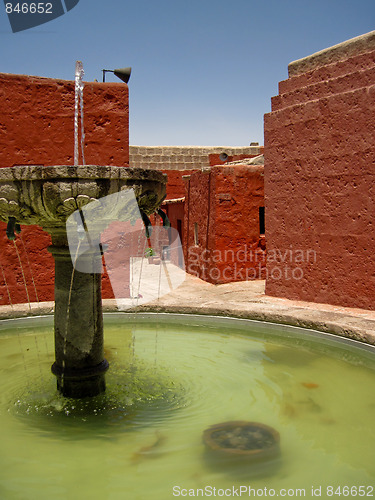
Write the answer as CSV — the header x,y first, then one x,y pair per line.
x,y
262,221
196,239
179,228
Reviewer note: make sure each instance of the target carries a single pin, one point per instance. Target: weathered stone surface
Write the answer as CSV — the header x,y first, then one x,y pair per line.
x,y
257,160
48,195
354,46
78,328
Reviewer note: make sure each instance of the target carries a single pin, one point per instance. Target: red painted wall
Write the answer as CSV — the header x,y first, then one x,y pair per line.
x,y
176,187
37,122
176,212
319,181
37,127
222,237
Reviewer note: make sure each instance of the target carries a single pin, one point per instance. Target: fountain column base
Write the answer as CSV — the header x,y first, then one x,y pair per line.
x,y
83,383
79,353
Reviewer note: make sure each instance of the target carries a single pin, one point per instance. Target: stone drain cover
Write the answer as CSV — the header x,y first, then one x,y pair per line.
x,y
241,439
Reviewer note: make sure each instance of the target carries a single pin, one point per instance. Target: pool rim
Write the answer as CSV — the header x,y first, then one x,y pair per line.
x,y
286,331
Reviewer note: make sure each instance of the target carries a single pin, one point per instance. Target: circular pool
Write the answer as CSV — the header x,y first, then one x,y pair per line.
x,y
170,378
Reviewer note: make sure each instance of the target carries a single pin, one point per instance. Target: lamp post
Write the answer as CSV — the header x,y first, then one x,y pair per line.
x,y
122,73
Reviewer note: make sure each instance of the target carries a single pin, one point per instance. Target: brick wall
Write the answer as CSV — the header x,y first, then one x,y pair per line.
x,y
177,161
186,157
319,178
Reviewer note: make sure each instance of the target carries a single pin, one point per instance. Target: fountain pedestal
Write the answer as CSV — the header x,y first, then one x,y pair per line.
x,y
47,196
79,353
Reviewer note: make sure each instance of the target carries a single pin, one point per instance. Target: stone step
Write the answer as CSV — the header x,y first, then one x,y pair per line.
x,y
343,67
338,85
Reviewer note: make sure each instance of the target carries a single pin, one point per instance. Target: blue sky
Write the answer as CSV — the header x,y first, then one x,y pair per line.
x,y
204,71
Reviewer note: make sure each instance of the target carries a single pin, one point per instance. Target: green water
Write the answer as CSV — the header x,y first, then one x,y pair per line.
x,y
170,379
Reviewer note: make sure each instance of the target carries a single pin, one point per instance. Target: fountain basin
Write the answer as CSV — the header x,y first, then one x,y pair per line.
x,y
315,390
47,196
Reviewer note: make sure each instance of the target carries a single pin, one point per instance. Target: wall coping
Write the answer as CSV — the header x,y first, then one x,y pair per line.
x,y
336,53
232,150
40,80
172,201
184,158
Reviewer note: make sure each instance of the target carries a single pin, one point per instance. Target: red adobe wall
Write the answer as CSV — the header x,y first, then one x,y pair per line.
x,y
319,178
175,211
175,185
222,210
37,122
176,190
37,127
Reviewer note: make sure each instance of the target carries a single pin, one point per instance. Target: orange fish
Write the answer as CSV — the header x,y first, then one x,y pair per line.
x,y
310,385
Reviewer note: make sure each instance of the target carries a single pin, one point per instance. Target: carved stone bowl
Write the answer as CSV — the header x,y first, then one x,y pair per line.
x,y
47,196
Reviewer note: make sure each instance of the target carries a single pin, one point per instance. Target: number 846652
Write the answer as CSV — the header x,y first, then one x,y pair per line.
x,y
29,8
352,491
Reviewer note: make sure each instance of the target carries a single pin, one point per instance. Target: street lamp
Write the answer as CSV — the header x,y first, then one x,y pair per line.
x,y
123,73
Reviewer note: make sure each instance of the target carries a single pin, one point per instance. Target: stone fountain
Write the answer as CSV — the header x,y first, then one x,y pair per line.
x,y
47,197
